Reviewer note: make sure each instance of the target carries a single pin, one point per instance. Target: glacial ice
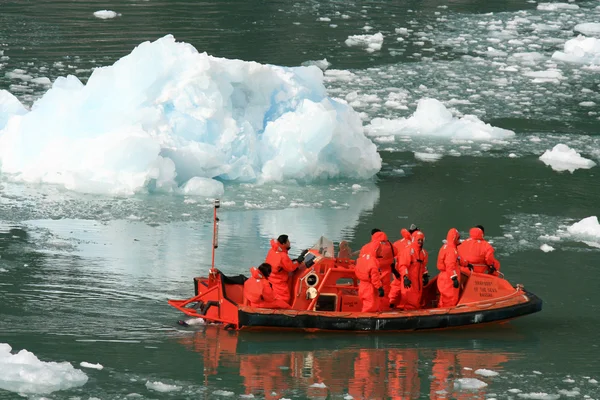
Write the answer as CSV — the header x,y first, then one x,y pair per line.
x,y
166,114
580,50
106,14
9,106
371,43
432,118
24,373
563,158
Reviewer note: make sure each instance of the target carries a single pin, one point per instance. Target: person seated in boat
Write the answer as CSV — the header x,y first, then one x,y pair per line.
x,y
258,290
370,287
406,292
281,265
449,264
477,251
346,252
387,265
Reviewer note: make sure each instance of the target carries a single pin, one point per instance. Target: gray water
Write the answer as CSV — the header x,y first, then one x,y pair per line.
x,y
86,277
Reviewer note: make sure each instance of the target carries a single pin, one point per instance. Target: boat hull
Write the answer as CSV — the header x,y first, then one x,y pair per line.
x,y
253,319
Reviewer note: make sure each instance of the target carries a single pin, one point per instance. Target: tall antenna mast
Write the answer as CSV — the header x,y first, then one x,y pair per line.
x,y
215,234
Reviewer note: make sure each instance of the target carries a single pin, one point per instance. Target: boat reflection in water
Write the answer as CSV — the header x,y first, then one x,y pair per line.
x,y
330,365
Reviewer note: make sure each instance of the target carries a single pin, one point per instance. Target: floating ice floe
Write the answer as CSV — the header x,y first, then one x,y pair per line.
x,y
486,372
224,393
85,364
106,14
166,114
587,230
563,158
24,373
588,28
432,118
539,396
469,384
428,157
557,6
321,64
580,50
162,387
546,248
370,43
320,385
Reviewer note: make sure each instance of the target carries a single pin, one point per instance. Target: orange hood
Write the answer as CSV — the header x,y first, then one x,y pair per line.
x,y
255,273
406,234
476,233
379,237
452,237
275,245
418,235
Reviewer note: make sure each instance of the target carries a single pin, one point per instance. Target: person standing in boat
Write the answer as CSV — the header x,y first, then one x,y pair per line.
x,y
281,266
387,265
478,252
449,263
259,291
400,246
413,269
346,252
370,287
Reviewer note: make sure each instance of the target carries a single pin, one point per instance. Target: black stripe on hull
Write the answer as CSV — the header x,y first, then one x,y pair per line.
x,y
412,323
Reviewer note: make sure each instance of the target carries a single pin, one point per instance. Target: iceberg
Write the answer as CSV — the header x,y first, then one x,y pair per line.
x,y
432,118
564,158
24,373
166,114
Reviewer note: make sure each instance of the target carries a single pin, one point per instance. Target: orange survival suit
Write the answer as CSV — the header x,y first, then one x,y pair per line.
x,y
477,251
413,270
258,291
367,272
448,263
387,263
281,266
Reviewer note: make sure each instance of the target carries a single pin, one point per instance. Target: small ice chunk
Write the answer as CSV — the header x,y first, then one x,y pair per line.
x,y
162,387
371,43
580,50
512,155
587,104
552,238
106,14
356,186
85,364
42,80
321,64
557,6
546,248
537,372
348,397
324,19
539,396
486,372
563,158
588,28
225,393
319,385
593,381
514,390
469,384
569,393
428,157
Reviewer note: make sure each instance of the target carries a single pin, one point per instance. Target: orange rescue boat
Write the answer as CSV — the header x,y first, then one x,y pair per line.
x,y
325,297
